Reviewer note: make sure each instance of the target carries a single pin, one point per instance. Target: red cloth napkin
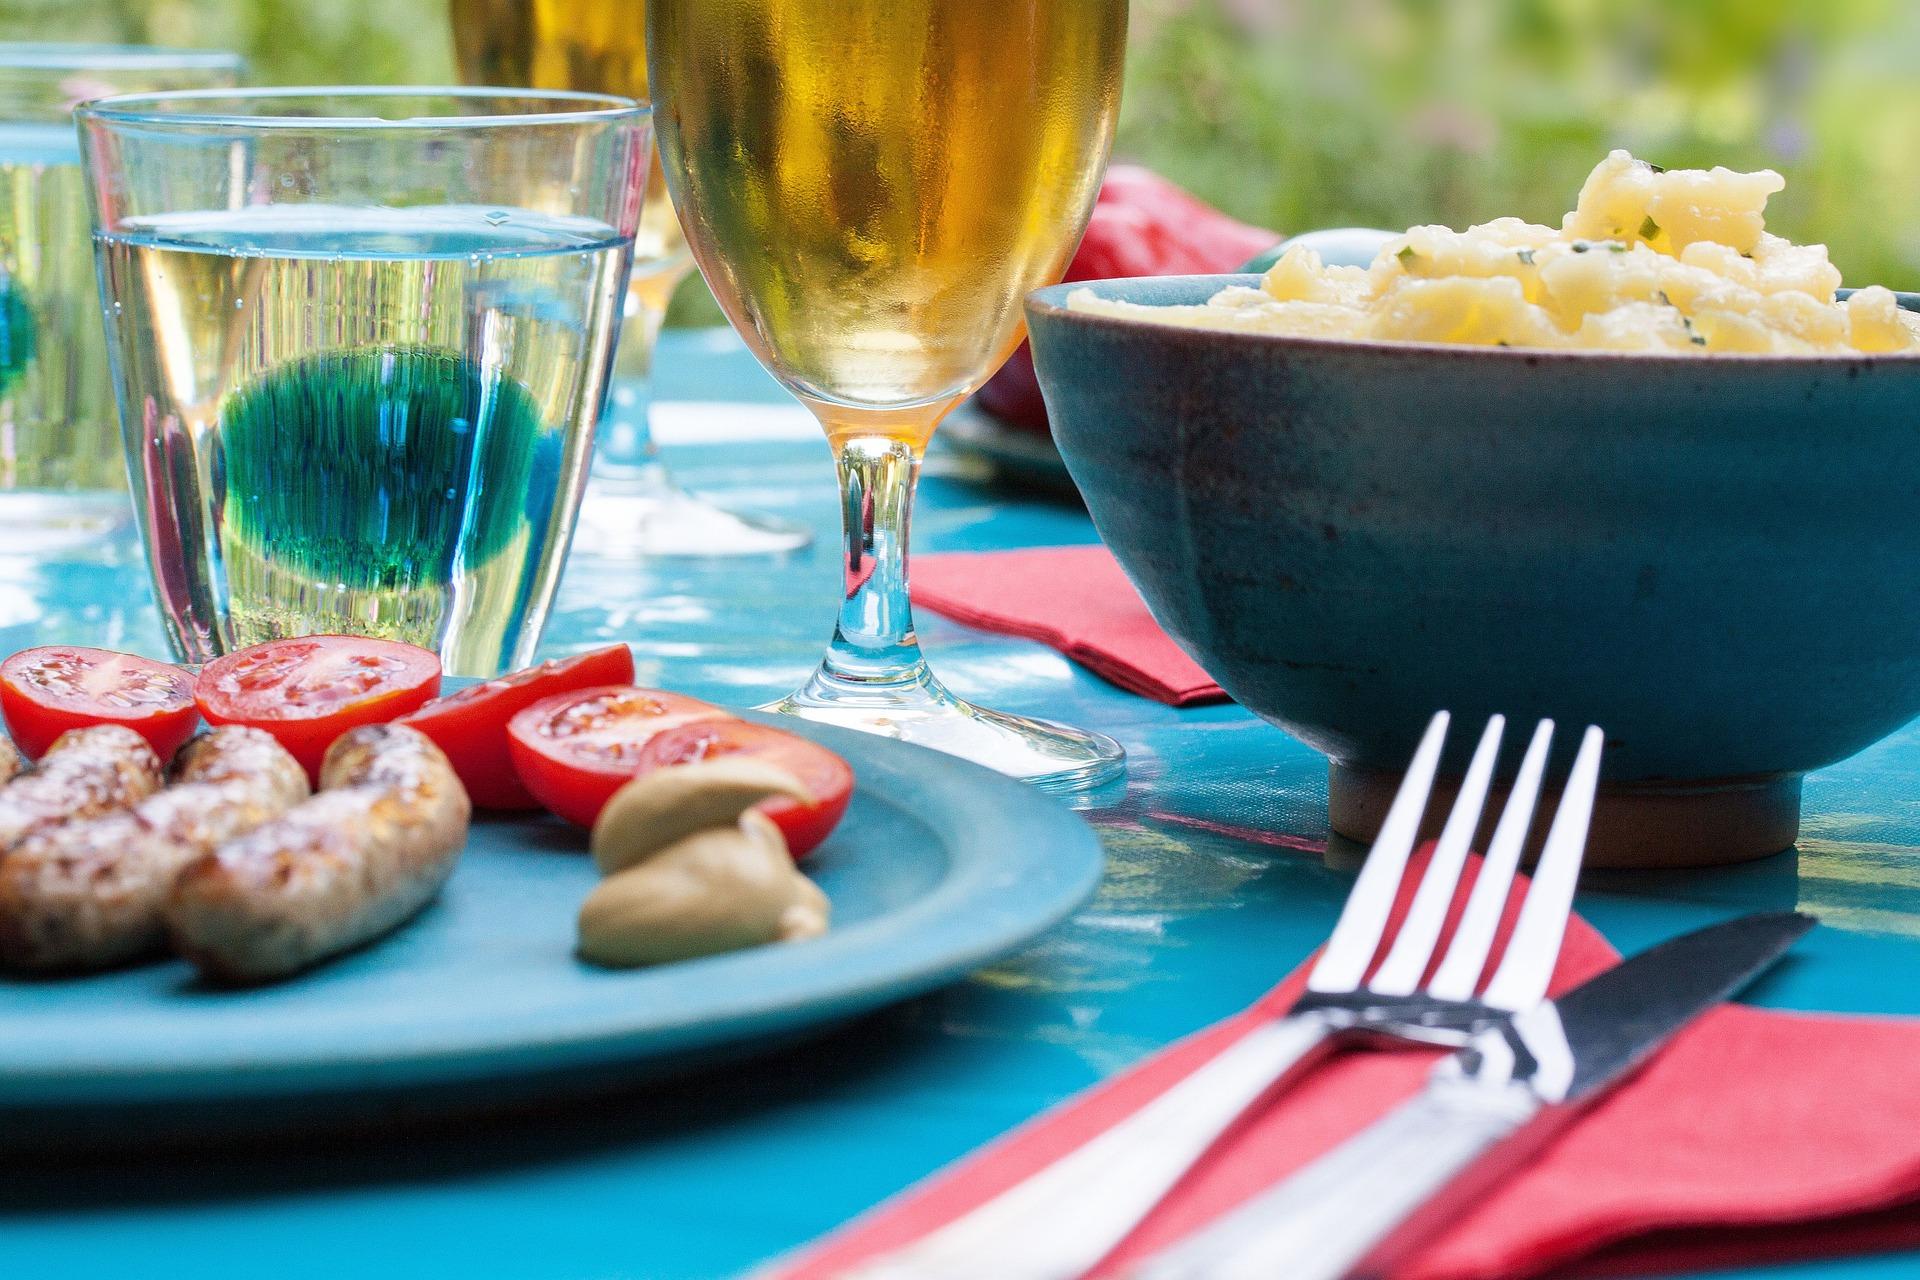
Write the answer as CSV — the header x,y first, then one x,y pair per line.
x,y
1076,599
1757,1135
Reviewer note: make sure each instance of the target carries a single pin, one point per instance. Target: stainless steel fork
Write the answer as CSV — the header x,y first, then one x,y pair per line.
x,y
1062,1220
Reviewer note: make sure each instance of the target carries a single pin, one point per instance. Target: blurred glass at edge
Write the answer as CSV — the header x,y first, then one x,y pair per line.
x,y
1304,113
62,468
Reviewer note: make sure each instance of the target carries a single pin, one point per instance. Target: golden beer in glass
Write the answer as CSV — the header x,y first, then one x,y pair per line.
x,y
871,187
600,46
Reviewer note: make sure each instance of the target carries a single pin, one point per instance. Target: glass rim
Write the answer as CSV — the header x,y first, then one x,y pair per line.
x,y
145,108
54,55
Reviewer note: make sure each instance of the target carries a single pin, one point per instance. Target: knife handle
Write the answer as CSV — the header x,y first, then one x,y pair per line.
x,y
1355,1210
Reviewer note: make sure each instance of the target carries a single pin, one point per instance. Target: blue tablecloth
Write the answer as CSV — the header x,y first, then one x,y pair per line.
x,y
1217,886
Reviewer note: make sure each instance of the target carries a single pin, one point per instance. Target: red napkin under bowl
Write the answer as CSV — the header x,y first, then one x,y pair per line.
x,y
1075,599
1755,1136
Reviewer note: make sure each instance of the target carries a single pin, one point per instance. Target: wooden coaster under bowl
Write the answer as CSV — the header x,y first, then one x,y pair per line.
x,y
1644,825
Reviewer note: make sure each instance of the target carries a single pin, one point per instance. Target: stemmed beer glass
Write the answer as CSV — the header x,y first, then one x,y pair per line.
x,y
634,507
870,187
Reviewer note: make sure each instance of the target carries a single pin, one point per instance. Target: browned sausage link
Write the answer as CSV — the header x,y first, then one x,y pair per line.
x,y
86,895
354,862
85,773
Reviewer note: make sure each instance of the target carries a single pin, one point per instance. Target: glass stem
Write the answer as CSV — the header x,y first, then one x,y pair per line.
x,y
873,642
626,451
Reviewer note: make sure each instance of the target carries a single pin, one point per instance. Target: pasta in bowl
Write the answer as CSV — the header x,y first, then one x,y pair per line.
x,y
1649,260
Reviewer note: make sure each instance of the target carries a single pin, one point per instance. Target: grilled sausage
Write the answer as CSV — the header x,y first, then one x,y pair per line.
x,y
361,857
89,894
85,773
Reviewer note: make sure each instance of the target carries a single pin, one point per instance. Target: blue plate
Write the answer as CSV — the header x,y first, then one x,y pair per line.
x,y
940,867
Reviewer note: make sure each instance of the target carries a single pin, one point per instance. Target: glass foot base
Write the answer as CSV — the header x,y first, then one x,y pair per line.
x,y
620,521
1051,756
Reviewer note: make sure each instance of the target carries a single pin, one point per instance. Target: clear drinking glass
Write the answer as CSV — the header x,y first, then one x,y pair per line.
x,y
633,506
361,338
870,187
63,476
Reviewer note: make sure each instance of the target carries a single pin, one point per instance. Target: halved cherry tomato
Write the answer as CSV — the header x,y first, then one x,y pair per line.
x,y
308,690
46,691
819,770
471,724
574,750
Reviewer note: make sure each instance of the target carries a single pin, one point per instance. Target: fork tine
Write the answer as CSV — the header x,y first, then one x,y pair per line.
x,y
1400,972
1364,918
1524,972
1459,971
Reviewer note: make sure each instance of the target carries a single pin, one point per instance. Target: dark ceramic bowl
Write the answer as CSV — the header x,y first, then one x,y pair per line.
x,y
1715,559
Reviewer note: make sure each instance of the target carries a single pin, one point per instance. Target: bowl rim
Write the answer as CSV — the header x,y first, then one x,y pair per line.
x,y
1051,302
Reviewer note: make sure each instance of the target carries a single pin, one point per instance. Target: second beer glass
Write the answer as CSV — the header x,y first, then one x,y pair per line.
x,y
871,187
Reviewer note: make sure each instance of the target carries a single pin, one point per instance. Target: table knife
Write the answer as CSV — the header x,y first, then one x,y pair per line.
x,y
1365,1206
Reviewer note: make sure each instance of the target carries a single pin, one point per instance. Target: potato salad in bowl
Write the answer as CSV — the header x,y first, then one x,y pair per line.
x,y
1649,260
1351,506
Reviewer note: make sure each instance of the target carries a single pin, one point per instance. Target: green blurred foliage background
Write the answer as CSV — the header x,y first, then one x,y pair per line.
x,y
1304,113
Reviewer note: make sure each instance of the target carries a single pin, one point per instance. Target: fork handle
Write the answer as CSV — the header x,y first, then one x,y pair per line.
x,y
1360,1208
1061,1220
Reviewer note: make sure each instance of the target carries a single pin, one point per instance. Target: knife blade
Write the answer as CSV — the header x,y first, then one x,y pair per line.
x,y
1362,1208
